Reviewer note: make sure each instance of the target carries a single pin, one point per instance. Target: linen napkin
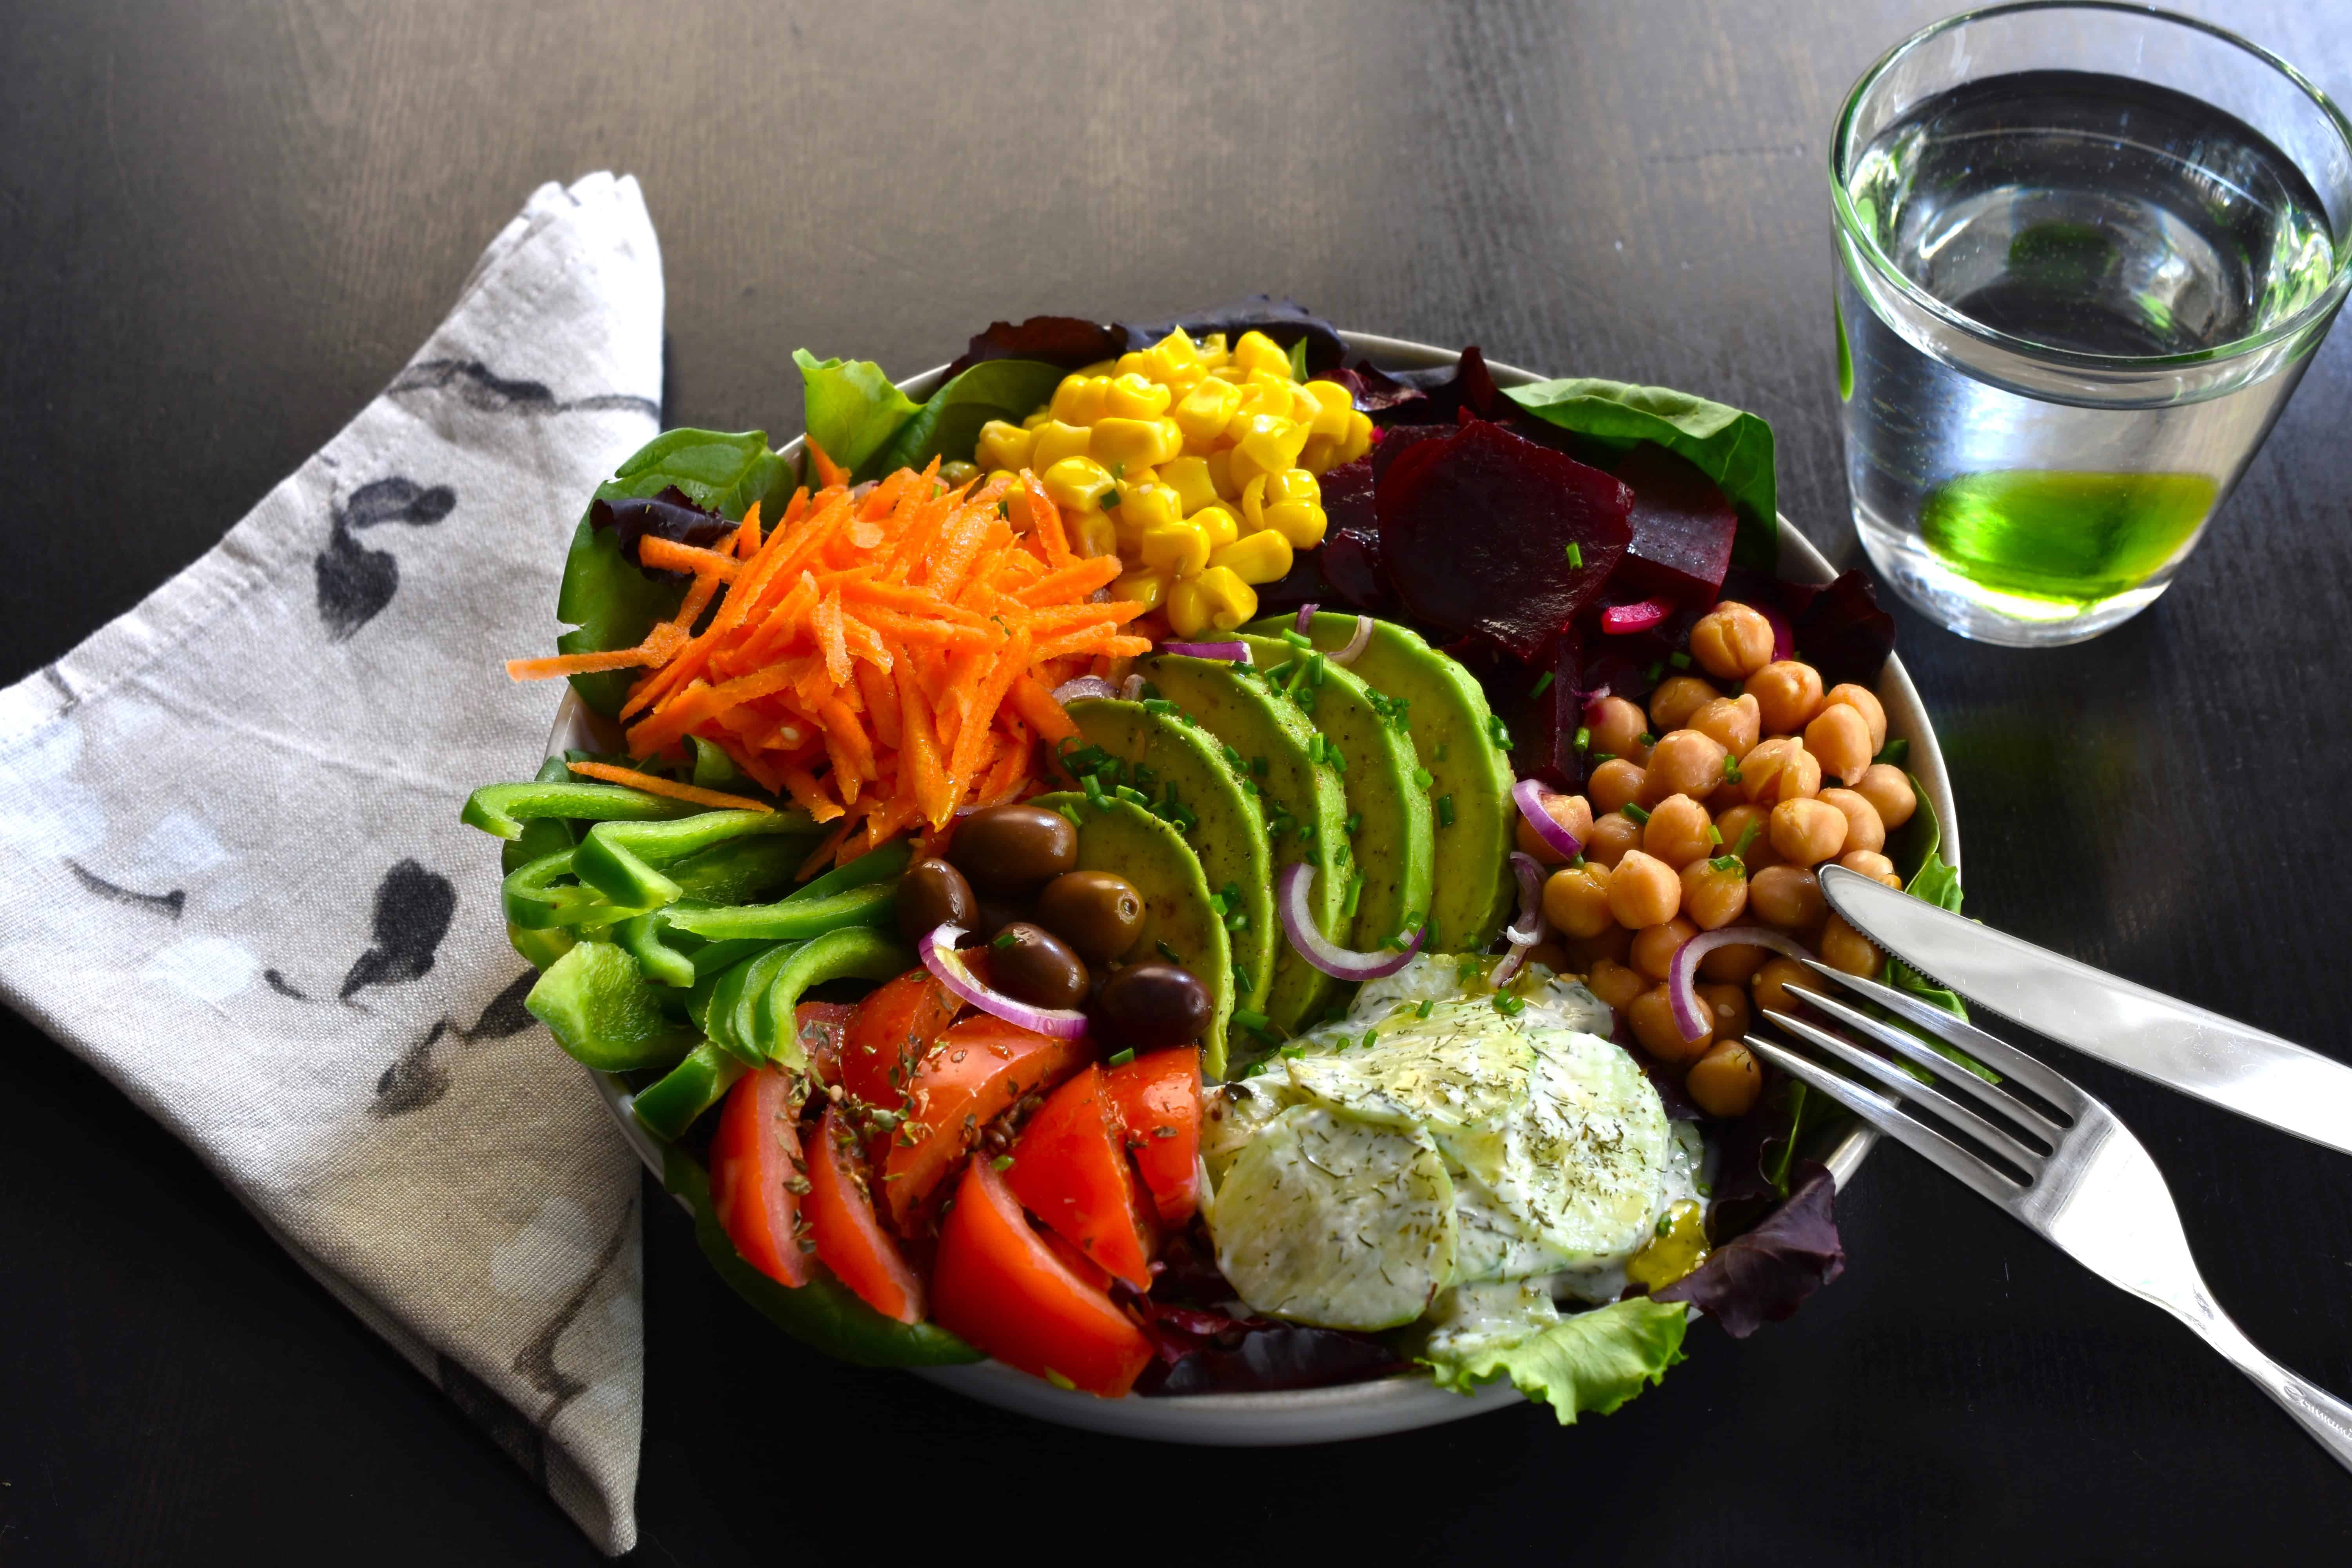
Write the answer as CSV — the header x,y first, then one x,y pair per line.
x,y
232,815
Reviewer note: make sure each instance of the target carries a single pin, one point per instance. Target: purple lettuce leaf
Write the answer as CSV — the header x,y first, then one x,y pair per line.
x,y
1764,1276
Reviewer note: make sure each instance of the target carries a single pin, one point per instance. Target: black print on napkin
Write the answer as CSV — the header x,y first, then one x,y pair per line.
x,y
418,1078
170,903
412,907
477,386
355,583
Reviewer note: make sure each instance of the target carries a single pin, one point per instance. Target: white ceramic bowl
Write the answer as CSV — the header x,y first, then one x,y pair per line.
x,y
1393,1404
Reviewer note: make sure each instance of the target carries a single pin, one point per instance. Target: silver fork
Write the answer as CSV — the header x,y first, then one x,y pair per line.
x,y
2078,1177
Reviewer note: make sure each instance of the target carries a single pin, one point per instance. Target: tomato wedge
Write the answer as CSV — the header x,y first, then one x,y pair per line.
x,y
971,1075
1068,1170
1158,1100
1000,1286
754,1174
1095,1276
888,1031
820,1025
849,1240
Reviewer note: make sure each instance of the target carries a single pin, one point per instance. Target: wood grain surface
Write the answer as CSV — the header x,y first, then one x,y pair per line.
x,y
222,228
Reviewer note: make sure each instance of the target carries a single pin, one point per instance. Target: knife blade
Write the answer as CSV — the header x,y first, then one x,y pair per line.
x,y
2183,1048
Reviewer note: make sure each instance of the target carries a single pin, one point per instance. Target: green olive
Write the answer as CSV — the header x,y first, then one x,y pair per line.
x,y
1146,1005
1013,850
1099,914
933,893
1030,963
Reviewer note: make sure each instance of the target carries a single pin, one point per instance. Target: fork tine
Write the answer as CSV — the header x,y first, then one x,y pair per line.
x,y
1888,1118
1998,1101
1996,1054
1895,1078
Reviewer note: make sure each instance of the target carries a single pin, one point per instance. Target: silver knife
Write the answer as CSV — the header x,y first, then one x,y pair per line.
x,y
2143,1031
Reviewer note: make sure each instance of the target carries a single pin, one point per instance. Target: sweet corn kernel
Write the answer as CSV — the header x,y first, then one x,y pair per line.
x,y
1213,352
1258,352
1181,381
1134,362
1208,407
1189,477
1142,585
1002,446
1333,406
1091,534
1135,442
1188,609
1081,399
1293,484
1134,397
1043,416
1264,557
1145,506
1137,474
1320,456
1176,350
1220,464
1016,509
1075,483
1056,441
1269,446
1231,601
1358,440
1181,548
1291,504
1218,521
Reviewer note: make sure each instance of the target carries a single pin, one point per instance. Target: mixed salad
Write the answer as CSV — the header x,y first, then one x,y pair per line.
x,y
1185,862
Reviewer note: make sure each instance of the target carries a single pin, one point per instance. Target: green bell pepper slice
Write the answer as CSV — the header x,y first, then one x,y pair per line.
x,y
739,871
823,1314
793,920
641,936
501,810
541,835
733,1022
602,1011
853,952
622,860
668,1107
875,866
533,899
540,948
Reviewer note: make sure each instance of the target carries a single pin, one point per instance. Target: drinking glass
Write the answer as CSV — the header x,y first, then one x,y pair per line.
x,y
2086,252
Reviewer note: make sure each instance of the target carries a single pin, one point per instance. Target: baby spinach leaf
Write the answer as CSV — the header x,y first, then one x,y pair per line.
x,y
948,426
1732,448
853,409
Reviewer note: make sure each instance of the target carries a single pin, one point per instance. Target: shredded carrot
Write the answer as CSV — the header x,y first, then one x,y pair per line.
x,y
669,555
828,472
653,783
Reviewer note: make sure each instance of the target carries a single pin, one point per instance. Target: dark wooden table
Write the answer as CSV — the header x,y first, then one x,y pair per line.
x,y
227,226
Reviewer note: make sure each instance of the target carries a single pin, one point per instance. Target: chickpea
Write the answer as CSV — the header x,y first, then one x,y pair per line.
x,y
1731,641
1871,864
1714,898
1888,788
1725,797
1807,832
1675,699
1614,984
1652,1014
1655,948
1611,946
1781,770
1576,899
1788,693
1687,762
1572,812
1677,832
1863,828
1864,701
1735,724
1734,825
1726,1007
1726,1081
1612,836
1839,738
1643,891
1614,783
1617,726
1738,964
1789,897
1772,986
1842,947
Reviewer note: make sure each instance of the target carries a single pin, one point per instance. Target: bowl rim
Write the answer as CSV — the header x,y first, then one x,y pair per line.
x,y
1402,1401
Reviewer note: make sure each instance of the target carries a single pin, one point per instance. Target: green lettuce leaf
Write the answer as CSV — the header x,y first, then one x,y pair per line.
x,y
610,604
1594,1361
1732,448
948,426
824,1314
853,409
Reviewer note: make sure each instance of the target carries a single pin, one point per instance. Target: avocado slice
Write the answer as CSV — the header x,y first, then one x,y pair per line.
x,y
1169,757
1180,924
1393,849
1305,804
1456,734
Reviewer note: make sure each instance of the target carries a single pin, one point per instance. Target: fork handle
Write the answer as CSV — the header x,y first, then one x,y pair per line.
x,y
2328,1418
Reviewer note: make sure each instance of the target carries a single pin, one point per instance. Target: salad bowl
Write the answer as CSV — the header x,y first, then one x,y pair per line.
x,y
1402,1401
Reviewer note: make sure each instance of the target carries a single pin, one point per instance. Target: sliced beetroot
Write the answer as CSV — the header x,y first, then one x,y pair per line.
x,y
1396,439
1476,531
1683,526
1542,709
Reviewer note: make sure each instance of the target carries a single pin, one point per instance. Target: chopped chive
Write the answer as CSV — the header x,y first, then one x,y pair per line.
x,y
1444,811
1583,738
1249,1020
1635,812
1109,500
1169,953
1422,778
1004,509
1679,660
1296,639
1120,1058
1541,682
1292,1053
1240,975
1424,1009
1355,892
1727,864
1003,939
1575,554
1652,672
1158,705
1002,1163
1600,757
1646,738
1508,1005
1713,833
1371,1038
1060,1382
1747,838
1355,821
1731,772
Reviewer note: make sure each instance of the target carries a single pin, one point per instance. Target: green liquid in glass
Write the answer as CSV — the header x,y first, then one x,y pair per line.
x,y
2064,537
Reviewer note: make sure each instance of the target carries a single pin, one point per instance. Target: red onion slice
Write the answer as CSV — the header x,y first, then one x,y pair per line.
x,y
1131,689
1619,619
1230,652
1681,974
1346,963
940,957
1528,930
1357,643
1592,702
1530,795
1305,616
1084,686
